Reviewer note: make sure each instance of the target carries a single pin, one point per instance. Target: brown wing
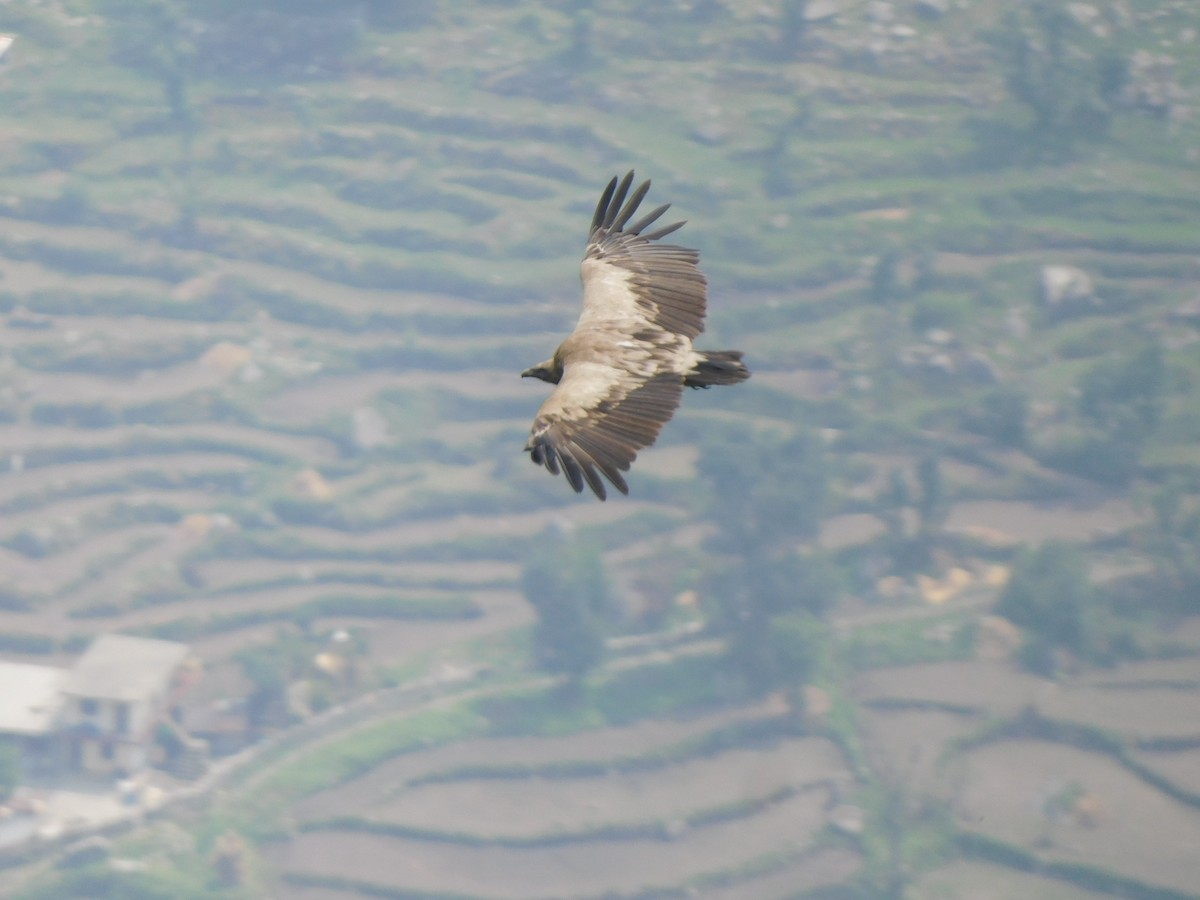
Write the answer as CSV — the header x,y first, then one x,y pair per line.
x,y
626,275
596,421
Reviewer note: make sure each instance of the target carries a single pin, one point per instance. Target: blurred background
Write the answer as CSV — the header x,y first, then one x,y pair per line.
x,y
913,613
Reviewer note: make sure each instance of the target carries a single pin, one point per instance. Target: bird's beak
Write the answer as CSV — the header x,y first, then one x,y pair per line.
x,y
529,373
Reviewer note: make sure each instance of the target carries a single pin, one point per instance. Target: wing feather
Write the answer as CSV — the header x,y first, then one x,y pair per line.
x,y
663,232
595,422
602,205
640,225
631,205
627,275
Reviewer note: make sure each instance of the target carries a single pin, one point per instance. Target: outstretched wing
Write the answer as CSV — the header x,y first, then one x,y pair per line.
x,y
597,419
621,378
628,277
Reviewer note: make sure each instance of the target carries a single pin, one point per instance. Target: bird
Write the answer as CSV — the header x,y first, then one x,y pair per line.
x,y
619,376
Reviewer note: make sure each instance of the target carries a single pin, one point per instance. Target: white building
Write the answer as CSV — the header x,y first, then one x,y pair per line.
x,y
30,701
115,697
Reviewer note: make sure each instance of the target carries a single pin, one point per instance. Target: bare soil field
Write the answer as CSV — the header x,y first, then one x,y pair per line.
x,y
819,868
1033,523
1021,792
592,867
596,746
528,807
995,688
910,745
983,881
1059,801
1180,767
1157,712
1181,673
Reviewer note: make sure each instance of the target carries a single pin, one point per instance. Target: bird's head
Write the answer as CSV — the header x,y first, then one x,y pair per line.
x,y
547,371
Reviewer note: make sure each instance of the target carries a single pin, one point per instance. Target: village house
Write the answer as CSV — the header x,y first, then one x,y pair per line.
x,y
117,694
101,716
30,699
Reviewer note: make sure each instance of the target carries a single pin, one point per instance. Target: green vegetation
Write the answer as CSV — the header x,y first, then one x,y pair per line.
x,y
767,497
1121,400
99,883
366,607
1172,537
624,696
905,643
259,807
1067,81
564,581
1051,596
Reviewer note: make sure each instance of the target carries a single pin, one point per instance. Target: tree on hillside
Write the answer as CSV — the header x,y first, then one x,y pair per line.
x,y
1000,413
931,502
1121,401
796,642
154,37
1171,539
910,551
766,497
564,581
793,31
271,669
885,287
1125,392
1065,77
1051,596
765,490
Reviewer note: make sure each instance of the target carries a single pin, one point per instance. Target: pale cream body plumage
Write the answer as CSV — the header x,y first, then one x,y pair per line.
x,y
620,375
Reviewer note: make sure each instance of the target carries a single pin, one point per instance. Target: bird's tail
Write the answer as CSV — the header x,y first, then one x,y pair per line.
x,y
717,367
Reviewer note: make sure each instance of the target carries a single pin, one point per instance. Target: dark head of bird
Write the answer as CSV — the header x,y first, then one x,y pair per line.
x,y
550,371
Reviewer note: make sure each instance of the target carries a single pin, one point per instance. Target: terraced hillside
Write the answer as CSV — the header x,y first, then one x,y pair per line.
x,y
1036,776
1071,772
267,278
604,817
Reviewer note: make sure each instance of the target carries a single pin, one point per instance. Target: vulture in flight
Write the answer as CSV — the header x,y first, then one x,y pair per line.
x,y
620,374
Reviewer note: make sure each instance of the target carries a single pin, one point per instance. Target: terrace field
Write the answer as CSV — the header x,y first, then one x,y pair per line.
x,y
263,306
